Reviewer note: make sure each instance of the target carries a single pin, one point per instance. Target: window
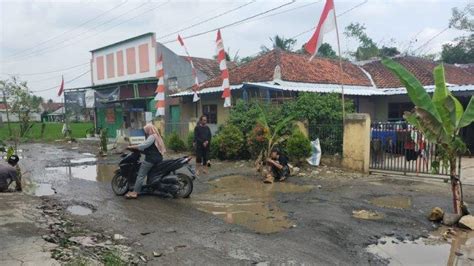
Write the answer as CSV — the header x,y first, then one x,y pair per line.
x,y
396,110
173,83
210,110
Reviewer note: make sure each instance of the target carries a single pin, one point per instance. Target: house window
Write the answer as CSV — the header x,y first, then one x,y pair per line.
x,y
396,110
210,110
173,83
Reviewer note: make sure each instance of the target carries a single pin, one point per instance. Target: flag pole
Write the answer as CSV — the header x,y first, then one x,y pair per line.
x,y
340,66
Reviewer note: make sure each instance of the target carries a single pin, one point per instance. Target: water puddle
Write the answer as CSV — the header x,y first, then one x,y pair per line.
x,y
99,172
395,202
443,247
248,202
79,210
83,160
39,190
367,215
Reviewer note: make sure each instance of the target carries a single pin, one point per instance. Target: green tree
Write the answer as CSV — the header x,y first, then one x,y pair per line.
x,y
367,47
439,118
325,50
461,51
281,43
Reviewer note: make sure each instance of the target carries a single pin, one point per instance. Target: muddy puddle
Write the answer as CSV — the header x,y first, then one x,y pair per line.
x,y
39,189
443,247
248,202
78,210
394,202
94,172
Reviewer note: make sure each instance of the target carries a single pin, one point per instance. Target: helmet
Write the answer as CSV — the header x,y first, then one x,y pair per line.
x,y
13,159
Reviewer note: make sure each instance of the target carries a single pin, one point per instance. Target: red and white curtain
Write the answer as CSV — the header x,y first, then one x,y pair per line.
x,y
160,88
221,58
196,81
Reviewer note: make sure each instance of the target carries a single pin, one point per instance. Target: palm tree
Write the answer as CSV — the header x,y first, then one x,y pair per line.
x,y
281,43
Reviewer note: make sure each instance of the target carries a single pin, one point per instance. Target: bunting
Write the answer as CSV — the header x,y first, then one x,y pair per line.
x,y
224,72
196,81
160,88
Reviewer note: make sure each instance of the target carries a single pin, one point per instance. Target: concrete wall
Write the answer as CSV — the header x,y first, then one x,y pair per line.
x,y
356,147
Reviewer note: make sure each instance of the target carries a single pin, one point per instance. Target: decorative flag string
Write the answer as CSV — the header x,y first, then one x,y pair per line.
x,y
196,81
224,72
160,88
326,24
61,87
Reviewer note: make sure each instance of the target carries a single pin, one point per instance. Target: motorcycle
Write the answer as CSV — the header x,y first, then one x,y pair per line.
x,y
162,177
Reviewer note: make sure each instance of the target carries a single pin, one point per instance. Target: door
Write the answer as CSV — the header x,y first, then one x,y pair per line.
x,y
175,118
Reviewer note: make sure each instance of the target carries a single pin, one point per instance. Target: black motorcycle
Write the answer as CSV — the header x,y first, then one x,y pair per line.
x,y
162,178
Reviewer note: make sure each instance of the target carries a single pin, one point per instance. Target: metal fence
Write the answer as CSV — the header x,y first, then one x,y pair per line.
x,y
330,137
397,146
180,128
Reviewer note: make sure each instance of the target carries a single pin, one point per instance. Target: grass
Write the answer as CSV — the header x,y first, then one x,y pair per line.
x,y
52,131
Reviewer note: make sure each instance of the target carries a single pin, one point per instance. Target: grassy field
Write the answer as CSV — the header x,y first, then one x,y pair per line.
x,y
52,131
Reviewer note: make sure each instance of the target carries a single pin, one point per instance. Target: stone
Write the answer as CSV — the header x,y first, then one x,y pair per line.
x,y
143,258
119,237
467,221
319,186
85,241
436,214
171,230
451,218
157,254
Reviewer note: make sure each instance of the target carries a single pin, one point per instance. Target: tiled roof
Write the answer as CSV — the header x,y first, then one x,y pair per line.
x,y
210,67
421,68
2,106
294,67
51,107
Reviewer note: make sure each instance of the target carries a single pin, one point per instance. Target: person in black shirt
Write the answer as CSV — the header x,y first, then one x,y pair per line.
x,y
202,142
9,174
278,167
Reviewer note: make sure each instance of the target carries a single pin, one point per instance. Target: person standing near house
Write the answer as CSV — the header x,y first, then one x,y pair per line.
x,y
202,142
154,149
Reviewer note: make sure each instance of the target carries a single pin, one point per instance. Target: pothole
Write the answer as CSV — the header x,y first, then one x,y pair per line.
x,y
394,202
79,210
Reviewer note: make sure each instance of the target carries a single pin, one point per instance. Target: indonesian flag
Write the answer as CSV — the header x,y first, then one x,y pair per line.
x,y
61,87
223,67
327,22
196,81
160,88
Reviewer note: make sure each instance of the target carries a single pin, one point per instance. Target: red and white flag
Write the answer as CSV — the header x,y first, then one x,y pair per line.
x,y
196,81
160,87
327,22
224,72
61,87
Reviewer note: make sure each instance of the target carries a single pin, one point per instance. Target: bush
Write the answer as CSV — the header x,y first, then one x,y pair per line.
x,y
190,142
298,147
229,142
258,140
215,144
175,143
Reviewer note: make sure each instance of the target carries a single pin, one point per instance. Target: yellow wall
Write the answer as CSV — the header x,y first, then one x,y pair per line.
x,y
356,144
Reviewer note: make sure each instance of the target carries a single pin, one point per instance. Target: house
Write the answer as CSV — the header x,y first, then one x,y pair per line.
x,y
34,116
280,75
124,81
51,112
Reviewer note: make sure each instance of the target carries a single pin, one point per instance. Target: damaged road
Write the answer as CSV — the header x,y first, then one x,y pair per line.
x,y
323,216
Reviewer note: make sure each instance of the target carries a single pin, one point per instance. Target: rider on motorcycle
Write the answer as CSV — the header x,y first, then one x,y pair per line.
x,y
153,148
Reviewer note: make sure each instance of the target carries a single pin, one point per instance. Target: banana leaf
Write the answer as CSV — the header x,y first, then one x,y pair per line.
x,y
468,116
415,89
441,91
431,125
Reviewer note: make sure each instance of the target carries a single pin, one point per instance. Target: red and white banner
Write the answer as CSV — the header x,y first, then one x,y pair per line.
x,y
61,87
160,88
196,81
224,71
327,22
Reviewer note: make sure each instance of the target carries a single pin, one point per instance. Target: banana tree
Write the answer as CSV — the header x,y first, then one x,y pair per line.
x,y
439,118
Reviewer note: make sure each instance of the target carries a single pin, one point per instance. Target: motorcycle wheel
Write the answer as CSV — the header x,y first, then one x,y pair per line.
x,y
185,186
119,184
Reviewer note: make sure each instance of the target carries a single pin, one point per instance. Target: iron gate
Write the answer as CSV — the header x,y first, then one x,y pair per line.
x,y
398,147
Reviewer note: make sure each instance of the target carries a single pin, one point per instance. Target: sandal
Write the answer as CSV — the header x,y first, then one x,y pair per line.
x,y
131,196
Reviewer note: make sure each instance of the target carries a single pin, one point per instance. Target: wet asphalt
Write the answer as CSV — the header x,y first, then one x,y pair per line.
x,y
321,227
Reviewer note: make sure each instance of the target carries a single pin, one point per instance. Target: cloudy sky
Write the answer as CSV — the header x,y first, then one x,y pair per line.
x,y
42,40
